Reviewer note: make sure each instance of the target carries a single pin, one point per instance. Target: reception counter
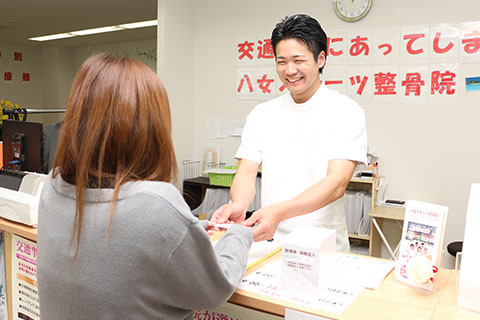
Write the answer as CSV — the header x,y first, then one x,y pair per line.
x,y
391,300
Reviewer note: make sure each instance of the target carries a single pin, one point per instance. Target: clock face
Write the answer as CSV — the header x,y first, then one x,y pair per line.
x,y
352,10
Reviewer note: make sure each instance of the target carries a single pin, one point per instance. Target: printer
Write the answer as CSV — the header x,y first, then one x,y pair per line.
x,y
20,196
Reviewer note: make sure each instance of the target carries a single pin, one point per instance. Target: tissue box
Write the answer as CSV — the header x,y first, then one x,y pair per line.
x,y
307,259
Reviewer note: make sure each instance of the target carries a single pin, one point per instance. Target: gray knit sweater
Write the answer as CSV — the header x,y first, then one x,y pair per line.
x,y
157,264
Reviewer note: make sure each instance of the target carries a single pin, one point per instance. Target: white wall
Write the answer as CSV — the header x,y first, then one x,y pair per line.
x,y
58,71
175,66
427,152
26,94
52,70
51,74
132,49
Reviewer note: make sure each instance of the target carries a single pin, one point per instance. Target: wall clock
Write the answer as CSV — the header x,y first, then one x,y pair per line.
x,y
352,10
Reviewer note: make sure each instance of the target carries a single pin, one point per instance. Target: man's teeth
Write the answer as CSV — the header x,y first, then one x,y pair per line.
x,y
293,80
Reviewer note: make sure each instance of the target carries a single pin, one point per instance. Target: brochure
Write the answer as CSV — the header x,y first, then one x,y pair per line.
x,y
420,247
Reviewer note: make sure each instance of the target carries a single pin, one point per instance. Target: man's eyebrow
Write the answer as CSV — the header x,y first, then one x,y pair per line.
x,y
294,56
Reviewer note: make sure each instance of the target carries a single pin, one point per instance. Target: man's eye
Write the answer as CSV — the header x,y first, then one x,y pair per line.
x,y
281,62
299,61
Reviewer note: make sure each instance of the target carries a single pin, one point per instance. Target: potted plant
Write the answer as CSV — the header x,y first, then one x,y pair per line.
x,y
6,105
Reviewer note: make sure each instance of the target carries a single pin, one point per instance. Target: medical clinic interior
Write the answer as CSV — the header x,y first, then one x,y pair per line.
x,y
412,207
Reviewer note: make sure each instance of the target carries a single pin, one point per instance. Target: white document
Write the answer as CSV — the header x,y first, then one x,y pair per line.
x,y
362,271
332,296
261,249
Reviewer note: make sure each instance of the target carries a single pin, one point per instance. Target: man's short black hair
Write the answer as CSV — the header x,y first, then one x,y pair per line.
x,y
304,28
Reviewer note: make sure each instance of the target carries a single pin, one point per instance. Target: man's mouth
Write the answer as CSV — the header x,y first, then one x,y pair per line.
x,y
294,80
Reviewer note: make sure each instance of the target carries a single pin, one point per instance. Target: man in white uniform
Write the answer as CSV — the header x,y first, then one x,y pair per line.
x,y
308,142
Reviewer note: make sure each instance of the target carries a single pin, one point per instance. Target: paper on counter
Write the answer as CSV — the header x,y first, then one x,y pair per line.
x,y
362,271
261,250
333,297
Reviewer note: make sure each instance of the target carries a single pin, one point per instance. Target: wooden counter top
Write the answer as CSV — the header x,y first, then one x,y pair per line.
x,y
391,300
19,229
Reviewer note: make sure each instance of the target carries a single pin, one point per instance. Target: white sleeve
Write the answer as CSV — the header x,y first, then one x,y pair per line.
x,y
250,147
351,135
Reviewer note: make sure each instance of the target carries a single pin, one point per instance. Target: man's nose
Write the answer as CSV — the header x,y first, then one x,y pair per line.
x,y
291,68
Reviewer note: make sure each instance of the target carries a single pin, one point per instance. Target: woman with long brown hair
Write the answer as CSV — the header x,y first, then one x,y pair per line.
x,y
116,240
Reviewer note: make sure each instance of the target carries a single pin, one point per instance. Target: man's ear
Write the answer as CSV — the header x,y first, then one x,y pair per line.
x,y
321,59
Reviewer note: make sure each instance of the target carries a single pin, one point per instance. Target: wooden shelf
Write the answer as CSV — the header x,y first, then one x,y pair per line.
x,y
368,184
359,236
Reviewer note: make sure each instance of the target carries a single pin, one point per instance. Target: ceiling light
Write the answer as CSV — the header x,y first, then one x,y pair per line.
x,y
53,37
96,30
141,24
133,25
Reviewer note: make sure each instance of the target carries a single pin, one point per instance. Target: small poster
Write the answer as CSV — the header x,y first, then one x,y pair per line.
x,y
420,248
472,84
25,303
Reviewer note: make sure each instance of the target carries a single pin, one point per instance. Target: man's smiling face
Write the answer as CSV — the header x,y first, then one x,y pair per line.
x,y
297,69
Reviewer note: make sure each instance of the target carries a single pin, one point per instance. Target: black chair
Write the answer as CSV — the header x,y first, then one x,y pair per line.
x,y
455,247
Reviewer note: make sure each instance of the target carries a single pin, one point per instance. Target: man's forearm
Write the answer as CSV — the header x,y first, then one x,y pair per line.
x,y
321,194
316,197
243,189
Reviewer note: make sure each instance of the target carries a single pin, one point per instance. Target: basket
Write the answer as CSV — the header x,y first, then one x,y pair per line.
x,y
222,176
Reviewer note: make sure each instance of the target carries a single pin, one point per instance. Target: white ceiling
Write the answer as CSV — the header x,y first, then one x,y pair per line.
x,y
22,19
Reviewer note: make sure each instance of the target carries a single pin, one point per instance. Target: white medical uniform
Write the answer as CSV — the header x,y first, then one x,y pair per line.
x,y
294,143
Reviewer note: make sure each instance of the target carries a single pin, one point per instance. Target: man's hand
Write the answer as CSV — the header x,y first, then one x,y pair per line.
x,y
229,212
264,222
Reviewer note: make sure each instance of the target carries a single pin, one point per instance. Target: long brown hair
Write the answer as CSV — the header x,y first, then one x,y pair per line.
x,y
117,128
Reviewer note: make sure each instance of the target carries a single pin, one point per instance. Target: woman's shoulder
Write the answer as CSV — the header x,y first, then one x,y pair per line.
x,y
157,195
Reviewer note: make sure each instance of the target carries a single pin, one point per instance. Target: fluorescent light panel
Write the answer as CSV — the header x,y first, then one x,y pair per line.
x,y
126,26
141,24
